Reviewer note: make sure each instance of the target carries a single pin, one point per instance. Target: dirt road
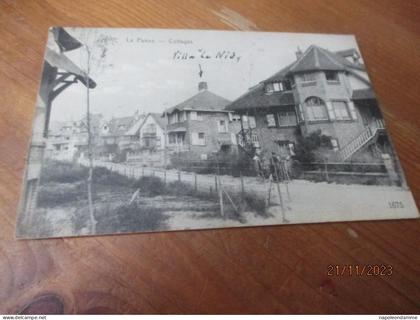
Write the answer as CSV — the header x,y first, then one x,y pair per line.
x,y
308,202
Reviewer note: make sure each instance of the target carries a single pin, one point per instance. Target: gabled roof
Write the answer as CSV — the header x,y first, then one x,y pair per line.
x,y
136,126
257,98
314,58
159,119
203,101
118,126
317,58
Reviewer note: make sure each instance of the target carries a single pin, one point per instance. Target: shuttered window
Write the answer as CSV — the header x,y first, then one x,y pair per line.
x,y
271,120
352,110
341,110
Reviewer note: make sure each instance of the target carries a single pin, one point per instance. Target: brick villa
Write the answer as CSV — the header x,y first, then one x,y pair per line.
x,y
321,90
200,125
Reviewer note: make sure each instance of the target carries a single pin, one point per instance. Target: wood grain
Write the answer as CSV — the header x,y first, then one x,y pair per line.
x,y
247,270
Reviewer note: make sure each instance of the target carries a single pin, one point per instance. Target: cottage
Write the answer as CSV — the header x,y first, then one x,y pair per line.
x,y
150,133
321,90
112,131
201,125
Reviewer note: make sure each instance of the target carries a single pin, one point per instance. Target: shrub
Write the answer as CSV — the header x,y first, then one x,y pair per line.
x,y
60,194
256,203
130,218
63,172
151,186
305,146
106,177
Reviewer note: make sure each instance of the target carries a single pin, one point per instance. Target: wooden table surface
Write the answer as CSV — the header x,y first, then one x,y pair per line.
x,y
248,270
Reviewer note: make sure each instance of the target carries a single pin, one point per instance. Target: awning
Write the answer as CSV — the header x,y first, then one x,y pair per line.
x,y
60,61
180,129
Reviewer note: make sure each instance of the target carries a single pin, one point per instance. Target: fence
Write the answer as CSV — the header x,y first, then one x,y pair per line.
x,y
212,166
361,173
224,186
200,182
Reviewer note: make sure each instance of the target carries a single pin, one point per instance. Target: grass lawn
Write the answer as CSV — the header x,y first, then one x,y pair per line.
x,y
63,207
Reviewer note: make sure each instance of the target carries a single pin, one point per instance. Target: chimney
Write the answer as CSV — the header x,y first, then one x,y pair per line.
x,y
298,53
202,86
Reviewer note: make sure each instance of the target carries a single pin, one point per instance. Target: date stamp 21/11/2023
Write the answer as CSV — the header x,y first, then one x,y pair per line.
x,y
378,270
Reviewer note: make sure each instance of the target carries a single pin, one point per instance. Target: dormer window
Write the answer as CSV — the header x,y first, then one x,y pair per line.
x,y
332,76
277,86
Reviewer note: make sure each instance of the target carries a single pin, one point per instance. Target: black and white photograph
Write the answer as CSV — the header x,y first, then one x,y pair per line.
x,y
145,130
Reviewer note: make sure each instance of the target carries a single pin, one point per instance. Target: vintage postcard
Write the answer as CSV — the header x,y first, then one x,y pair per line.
x,y
140,130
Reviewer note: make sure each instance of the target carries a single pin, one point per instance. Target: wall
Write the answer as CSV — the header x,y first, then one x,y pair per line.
x,y
343,131
268,136
209,125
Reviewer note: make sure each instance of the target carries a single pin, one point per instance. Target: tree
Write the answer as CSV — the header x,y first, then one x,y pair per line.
x,y
96,53
305,146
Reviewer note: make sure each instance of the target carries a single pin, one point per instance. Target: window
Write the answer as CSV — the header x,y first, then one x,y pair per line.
x,y
271,120
180,116
236,117
340,110
198,138
308,77
277,86
194,115
286,148
316,109
269,88
287,118
150,128
222,126
173,118
172,139
334,143
251,122
332,76
287,85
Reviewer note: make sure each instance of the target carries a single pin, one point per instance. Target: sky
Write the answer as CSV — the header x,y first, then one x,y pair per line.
x,y
143,69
